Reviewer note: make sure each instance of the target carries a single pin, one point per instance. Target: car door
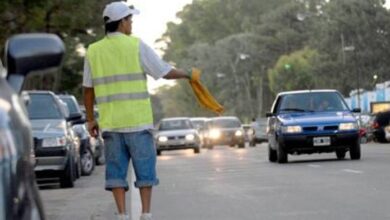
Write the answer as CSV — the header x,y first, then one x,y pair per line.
x,y
273,123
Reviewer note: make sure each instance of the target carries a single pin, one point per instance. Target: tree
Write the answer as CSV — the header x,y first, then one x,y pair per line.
x,y
293,72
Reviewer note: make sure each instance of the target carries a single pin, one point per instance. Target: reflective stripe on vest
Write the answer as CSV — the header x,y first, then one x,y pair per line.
x,y
119,83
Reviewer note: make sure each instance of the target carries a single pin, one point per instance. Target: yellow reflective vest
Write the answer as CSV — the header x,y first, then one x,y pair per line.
x,y
119,83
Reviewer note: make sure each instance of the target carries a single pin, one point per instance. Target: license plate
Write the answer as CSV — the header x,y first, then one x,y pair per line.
x,y
321,141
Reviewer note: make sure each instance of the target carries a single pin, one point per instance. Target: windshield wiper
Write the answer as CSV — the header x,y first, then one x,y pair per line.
x,y
293,109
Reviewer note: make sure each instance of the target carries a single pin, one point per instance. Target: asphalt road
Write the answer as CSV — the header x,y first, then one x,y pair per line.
x,y
229,184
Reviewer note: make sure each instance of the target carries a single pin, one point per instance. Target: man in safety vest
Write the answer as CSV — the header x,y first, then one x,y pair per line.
x,y
115,77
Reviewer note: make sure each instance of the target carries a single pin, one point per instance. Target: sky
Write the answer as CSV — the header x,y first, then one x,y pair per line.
x,y
150,24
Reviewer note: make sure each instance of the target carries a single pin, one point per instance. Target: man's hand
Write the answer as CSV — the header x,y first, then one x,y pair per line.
x,y
93,128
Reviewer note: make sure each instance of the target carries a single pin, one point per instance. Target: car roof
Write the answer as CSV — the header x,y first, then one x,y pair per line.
x,y
198,119
40,92
225,117
306,91
175,119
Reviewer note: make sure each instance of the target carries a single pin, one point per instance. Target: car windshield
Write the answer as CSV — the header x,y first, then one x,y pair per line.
x,y
175,125
312,102
43,106
226,123
198,123
71,105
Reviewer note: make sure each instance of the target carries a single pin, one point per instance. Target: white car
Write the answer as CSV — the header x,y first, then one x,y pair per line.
x,y
176,134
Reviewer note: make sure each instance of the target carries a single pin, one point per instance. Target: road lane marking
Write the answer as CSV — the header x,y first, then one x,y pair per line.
x,y
314,166
353,171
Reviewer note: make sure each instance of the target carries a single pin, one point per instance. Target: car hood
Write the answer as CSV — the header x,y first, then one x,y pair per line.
x,y
48,127
176,132
316,118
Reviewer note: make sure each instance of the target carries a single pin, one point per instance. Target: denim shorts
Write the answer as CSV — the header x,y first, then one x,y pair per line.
x,y
120,148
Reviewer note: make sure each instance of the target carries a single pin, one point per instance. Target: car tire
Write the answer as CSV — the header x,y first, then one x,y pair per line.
x,y
67,178
197,150
340,154
282,154
252,143
78,168
355,151
241,145
87,162
158,152
210,147
272,154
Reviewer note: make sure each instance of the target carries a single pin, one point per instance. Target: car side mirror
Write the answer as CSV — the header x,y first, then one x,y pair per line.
x,y
356,110
269,114
31,52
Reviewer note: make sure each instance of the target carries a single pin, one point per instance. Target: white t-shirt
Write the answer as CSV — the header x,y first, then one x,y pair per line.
x,y
151,63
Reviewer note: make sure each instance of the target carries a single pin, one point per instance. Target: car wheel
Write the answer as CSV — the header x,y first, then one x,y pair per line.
x,y
197,150
67,178
78,168
210,147
282,154
272,154
354,151
252,143
87,162
241,145
158,152
340,154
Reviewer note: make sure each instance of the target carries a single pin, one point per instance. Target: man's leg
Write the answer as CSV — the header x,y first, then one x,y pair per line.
x,y
120,199
146,197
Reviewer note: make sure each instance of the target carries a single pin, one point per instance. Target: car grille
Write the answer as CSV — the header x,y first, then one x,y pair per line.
x,y
321,128
176,138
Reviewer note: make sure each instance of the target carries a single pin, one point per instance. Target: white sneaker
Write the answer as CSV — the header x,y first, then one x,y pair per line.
x,y
122,217
146,216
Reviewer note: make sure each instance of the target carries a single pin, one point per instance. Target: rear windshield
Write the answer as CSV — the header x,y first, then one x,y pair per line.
x,y
43,106
175,125
312,102
226,123
71,105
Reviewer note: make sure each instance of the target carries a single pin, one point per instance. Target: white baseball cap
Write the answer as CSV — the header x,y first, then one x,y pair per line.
x,y
118,10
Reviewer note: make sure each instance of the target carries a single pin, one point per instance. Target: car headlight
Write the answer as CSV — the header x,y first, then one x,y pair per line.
x,y
215,134
238,133
162,139
348,126
291,129
190,137
54,142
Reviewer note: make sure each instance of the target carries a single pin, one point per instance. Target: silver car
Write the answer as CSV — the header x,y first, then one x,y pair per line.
x,y
176,134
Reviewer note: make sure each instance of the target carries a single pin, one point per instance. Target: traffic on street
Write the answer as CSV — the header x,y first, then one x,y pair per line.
x,y
195,110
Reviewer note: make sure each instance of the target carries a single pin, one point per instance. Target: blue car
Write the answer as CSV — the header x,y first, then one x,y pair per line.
x,y
312,121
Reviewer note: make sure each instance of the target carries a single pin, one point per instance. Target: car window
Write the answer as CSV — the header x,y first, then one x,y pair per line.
x,y
175,125
226,123
43,106
71,105
312,102
198,123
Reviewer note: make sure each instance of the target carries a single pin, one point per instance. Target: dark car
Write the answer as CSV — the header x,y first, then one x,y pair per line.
x,y
88,151
19,194
312,121
379,121
57,150
225,131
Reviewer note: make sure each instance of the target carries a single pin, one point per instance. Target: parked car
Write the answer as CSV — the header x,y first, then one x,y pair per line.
x,y
57,149
98,141
379,122
199,123
175,134
19,194
259,132
312,121
225,131
87,147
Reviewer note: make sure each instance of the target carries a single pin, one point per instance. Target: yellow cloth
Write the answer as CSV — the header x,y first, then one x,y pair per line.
x,y
202,94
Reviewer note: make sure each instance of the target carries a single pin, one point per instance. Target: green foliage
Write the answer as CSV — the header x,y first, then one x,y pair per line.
x,y
299,75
